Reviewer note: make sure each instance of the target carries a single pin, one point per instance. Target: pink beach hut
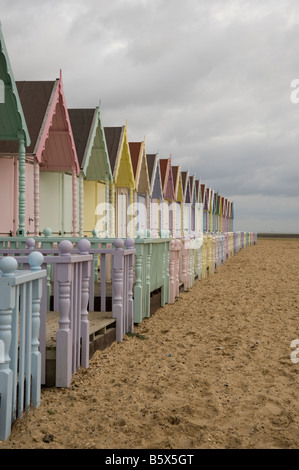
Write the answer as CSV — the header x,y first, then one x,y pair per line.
x,y
51,161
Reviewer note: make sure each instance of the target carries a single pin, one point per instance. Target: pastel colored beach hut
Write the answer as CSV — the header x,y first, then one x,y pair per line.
x,y
192,203
95,171
15,214
187,203
142,185
51,178
198,208
123,183
232,216
166,213
221,214
178,200
204,194
156,193
224,215
215,211
211,210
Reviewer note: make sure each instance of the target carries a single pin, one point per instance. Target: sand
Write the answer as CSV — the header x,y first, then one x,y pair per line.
x,y
212,371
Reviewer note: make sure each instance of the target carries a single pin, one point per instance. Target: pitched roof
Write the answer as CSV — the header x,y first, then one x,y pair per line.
x,y
167,178
135,148
12,119
35,98
48,122
81,122
113,137
192,188
203,193
153,166
163,169
186,186
90,143
151,158
197,191
175,174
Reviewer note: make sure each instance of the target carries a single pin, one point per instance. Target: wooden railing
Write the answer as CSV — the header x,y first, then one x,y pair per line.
x,y
20,358
74,292
151,274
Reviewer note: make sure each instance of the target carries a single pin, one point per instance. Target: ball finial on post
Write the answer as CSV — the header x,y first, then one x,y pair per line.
x,y
118,244
47,232
30,243
65,247
8,265
84,246
35,260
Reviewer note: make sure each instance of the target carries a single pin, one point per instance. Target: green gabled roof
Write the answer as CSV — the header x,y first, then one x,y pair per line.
x,y
90,143
12,120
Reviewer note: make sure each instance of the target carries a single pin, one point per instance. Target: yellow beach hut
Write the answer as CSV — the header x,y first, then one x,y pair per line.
x,y
123,183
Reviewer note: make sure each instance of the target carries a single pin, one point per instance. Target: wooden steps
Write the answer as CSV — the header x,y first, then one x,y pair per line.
x,y
100,323
102,333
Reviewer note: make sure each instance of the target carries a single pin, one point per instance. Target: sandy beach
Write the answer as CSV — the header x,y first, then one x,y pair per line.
x,y
212,371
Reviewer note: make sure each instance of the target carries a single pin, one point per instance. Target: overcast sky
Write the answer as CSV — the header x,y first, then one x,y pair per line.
x,y
205,81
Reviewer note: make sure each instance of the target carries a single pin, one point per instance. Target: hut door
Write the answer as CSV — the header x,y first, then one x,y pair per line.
x,y
178,220
142,212
165,216
154,218
7,197
186,220
122,209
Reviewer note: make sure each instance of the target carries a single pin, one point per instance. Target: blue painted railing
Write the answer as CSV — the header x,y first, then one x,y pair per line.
x,y
20,358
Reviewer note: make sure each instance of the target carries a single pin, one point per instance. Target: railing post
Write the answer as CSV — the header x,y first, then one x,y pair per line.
x,y
172,272
117,302
138,290
163,288
167,272
63,335
185,264
204,257
7,302
148,249
198,248
35,260
130,245
177,267
84,247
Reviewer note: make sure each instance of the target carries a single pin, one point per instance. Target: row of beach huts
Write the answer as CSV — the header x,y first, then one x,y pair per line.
x,y
95,235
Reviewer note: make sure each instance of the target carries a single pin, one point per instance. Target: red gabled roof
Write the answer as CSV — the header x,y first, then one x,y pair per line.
x,y
167,178
49,126
135,153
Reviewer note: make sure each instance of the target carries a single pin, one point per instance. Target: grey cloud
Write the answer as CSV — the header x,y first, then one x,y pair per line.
x,y
207,82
